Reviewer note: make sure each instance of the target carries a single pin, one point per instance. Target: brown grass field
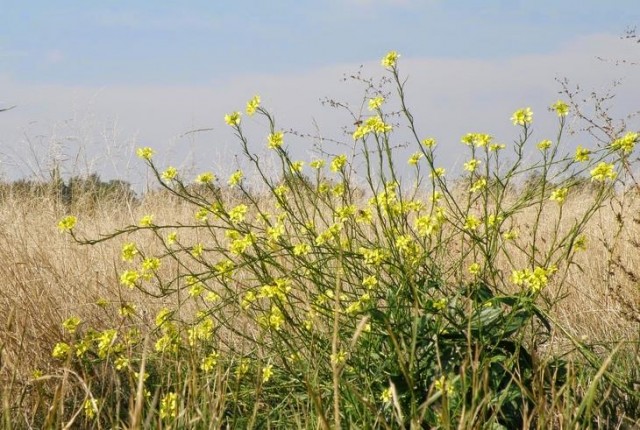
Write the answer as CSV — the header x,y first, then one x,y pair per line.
x,y
46,278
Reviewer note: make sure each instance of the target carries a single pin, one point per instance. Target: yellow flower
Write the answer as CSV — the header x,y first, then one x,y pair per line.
x,y
249,297
168,342
67,223
202,331
224,269
90,408
376,125
443,385
61,350
471,223
478,139
580,243
338,190
429,142
535,279
478,185
146,221
235,178
339,357
196,289
232,119
209,362
205,178
150,264
494,219
121,363
415,158
163,316
386,395
338,163
343,213
603,171
172,238
510,235
373,257
197,250
438,172
296,166
129,251
253,105
275,232
275,140
169,406
404,243
389,61
202,215
238,246
522,117
582,154
626,143
426,225
267,373
375,103
369,282
145,153
475,269
361,132
71,324
170,174
317,164
471,165
561,108
129,278
543,145
559,195
301,249
243,368
238,213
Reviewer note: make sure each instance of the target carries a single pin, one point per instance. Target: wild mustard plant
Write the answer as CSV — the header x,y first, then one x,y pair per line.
x,y
409,303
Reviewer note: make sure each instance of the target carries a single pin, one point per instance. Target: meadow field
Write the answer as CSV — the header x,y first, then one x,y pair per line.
x,y
507,297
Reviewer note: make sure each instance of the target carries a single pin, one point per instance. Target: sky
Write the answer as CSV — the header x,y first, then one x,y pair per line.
x,y
93,80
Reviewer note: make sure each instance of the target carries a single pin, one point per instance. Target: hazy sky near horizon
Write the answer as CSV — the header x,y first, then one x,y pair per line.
x,y
92,80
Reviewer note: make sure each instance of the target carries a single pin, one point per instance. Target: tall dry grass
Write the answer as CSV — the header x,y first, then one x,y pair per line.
x,y
47,278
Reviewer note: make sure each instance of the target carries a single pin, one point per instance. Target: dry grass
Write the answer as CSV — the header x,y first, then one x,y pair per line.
x,y
47,278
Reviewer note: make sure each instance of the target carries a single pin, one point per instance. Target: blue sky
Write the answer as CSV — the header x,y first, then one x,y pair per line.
x,y
174,42
156,69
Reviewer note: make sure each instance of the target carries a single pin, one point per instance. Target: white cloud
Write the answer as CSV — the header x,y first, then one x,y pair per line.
x,y
449,98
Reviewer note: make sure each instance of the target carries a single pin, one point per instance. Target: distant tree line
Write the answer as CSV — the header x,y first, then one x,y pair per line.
x,y
77,189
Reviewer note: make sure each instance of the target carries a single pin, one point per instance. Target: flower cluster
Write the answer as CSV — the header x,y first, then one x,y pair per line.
x,y
522,117
535,279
